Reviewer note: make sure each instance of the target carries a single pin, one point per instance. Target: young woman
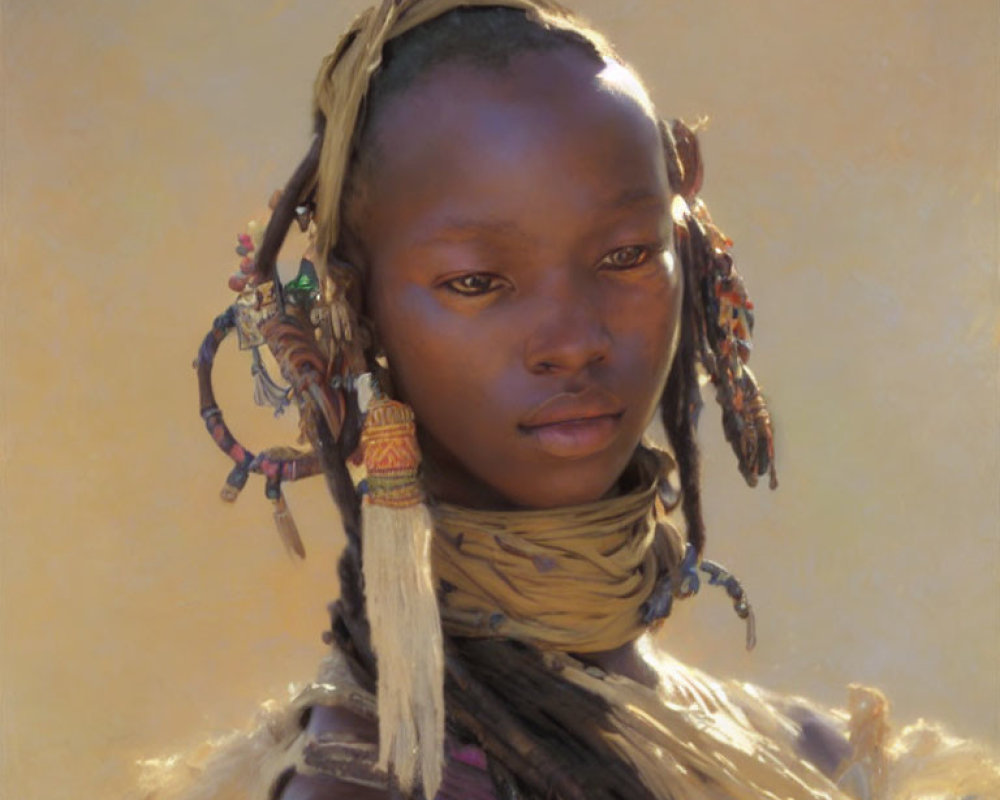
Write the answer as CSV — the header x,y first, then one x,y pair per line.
x,y
509,241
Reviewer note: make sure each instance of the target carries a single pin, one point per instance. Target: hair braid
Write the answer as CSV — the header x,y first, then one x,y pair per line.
x,y
283,214
681,401
679,409
332,449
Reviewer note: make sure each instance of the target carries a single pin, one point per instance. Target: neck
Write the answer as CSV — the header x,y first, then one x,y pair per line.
x,y
447,481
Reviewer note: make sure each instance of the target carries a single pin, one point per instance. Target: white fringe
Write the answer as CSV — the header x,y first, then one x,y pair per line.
x,y
406,637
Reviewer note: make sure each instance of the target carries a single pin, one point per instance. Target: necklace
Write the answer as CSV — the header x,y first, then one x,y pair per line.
x,y
573,579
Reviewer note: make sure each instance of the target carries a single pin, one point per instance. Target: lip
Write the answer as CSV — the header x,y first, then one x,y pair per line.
x,y
575,424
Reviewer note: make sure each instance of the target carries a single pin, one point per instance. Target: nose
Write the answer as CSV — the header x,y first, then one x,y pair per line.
x,y
568,333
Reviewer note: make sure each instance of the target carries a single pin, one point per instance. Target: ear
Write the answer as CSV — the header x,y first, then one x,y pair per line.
x,y
683,155
347,270
346,282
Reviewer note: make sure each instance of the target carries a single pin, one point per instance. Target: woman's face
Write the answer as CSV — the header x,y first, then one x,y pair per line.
x,y
517,239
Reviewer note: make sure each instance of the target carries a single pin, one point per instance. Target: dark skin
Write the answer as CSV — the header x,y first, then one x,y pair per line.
x,y
517,240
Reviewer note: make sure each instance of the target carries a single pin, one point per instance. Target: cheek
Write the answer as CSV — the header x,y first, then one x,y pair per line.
x,y
667,329
439,361
467,382
649,332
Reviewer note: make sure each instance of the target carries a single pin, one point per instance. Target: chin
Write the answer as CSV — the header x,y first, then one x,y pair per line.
x,y
566,487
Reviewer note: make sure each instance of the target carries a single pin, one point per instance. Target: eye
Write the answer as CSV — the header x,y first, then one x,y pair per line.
x,y
623,258
475,284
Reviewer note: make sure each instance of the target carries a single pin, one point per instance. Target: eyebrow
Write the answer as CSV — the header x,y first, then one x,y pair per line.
x,y
637,196
456,230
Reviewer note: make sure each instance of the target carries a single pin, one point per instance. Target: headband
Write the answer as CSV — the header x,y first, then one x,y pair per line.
x,y
344,77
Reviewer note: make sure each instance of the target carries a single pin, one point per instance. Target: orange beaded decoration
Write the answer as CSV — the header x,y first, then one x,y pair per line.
x,y
391,454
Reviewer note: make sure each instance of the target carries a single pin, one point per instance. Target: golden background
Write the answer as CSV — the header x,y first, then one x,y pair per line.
x,y
852,154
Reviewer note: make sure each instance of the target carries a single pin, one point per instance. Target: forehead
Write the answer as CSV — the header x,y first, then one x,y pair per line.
x,y
482,141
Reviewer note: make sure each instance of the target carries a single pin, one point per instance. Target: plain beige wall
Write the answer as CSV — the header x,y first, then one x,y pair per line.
x,y
852,154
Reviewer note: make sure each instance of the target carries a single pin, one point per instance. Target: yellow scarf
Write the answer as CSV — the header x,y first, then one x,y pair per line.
x,y
570,579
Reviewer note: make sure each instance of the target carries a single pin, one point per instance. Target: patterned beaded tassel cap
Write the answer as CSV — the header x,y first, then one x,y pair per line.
x,y
401,601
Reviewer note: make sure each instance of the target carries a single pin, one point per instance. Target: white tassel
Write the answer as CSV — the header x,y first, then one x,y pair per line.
x,y
406,636
401,601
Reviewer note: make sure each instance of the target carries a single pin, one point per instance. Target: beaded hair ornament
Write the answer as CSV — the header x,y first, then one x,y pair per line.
x,y
311,327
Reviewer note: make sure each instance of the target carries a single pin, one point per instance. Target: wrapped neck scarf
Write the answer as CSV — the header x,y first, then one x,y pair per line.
x,y
572,579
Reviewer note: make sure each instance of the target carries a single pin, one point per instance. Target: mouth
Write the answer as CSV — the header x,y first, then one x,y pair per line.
x,y
575,438
575,425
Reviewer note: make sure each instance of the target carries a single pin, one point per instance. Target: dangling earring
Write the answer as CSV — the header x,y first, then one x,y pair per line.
x,y
727,322
400,597
722,309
